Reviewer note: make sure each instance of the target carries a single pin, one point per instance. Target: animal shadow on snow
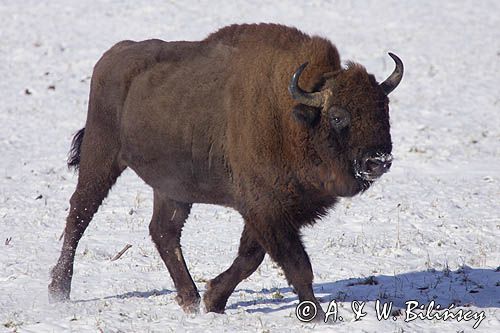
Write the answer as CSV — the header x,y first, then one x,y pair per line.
x,y
463,287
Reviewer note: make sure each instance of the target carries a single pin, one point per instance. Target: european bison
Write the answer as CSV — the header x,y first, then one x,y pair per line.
x,y
224,121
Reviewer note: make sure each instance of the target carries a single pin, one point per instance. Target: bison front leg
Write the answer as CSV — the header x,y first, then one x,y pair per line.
x,y
250,256
165,228
282,242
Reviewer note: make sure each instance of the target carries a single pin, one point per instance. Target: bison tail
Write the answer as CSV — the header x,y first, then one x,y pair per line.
x,y
74,152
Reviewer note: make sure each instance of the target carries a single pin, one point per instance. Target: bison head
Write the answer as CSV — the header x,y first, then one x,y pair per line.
x,y
348,115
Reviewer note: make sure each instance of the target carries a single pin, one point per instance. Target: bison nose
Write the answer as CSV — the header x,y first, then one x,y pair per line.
x,y
376,166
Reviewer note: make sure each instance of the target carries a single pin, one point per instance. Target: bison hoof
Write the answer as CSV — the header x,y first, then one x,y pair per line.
x,y
213,307
58,293
189,303
213,301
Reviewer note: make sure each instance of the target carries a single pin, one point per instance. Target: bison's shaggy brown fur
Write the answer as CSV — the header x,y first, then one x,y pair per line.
x,y
214,122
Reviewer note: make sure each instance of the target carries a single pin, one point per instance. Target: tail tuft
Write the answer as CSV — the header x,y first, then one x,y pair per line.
x,y
74,152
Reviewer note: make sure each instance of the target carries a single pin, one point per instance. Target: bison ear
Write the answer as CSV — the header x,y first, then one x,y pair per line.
x,y
331,75
306,115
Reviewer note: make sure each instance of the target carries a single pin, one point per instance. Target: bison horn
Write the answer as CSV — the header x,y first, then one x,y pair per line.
x,y
310,99
393,80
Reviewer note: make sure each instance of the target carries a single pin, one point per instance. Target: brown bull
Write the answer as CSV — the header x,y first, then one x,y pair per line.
x,y
224,121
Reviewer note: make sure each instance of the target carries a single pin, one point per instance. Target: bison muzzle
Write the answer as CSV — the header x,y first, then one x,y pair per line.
x,y
232,120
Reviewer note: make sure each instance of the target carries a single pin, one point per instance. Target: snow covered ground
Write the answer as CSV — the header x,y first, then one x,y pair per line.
x,y
428,230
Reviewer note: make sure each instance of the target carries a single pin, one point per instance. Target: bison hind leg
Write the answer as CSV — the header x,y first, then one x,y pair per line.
x,y
165,229
99,169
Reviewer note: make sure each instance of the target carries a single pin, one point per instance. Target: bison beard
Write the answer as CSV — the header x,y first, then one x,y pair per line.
x,y
225,121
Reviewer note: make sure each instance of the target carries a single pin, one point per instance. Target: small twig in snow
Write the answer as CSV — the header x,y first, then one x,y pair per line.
x,y
398,240
119,254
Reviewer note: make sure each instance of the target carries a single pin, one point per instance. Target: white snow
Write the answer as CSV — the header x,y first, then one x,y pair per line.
x,y
428,230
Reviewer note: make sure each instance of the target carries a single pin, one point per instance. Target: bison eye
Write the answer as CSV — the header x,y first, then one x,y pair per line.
x,y
339,118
